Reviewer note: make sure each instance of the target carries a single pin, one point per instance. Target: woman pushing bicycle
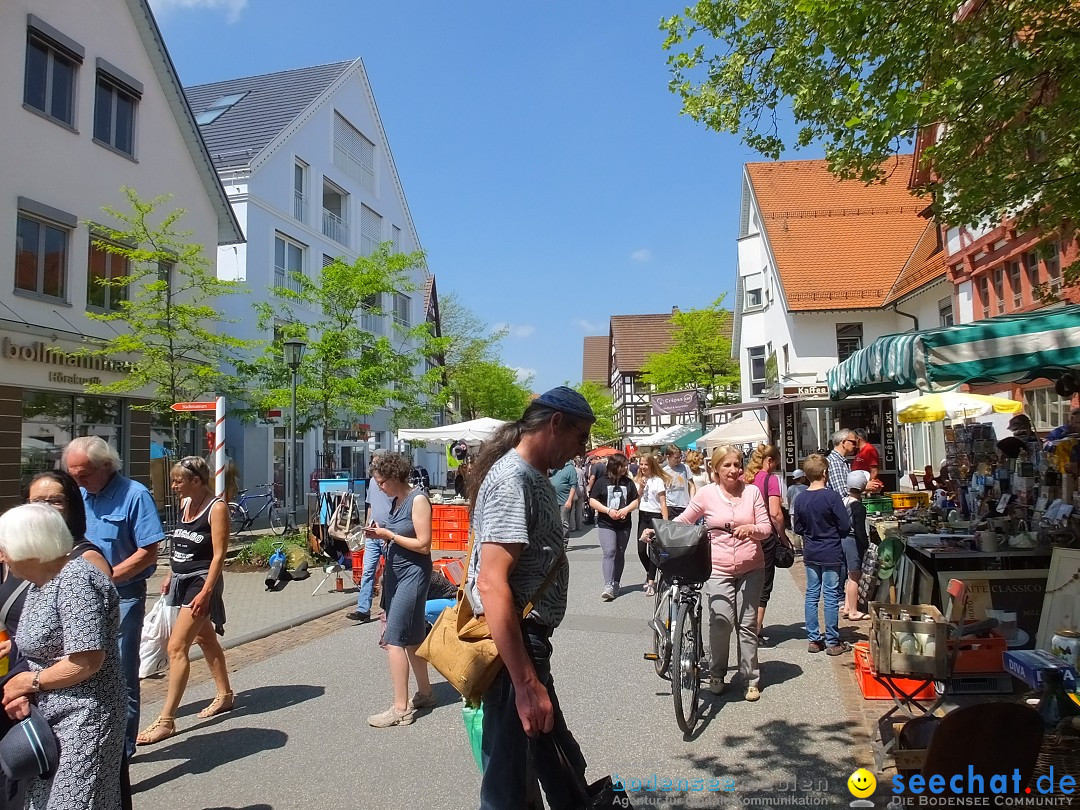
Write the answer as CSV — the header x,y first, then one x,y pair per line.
x,y
199,543
737,521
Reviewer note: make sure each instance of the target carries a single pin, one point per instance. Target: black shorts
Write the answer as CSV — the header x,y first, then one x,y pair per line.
x,y
189,590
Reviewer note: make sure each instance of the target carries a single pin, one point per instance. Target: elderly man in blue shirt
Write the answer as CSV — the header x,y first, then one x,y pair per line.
x,y
122,521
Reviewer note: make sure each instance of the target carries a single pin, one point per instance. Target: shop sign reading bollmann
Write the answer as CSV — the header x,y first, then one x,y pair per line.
x,y
39,352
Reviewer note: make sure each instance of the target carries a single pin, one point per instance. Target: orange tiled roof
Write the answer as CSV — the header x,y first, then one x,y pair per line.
x,y
635,337
838,244
926,264
594,360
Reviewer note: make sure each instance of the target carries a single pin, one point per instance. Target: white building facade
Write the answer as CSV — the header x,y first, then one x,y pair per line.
x,y
314,181
91,104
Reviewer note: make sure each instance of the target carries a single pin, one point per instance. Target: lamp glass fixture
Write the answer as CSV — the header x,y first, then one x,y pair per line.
x,y
294,352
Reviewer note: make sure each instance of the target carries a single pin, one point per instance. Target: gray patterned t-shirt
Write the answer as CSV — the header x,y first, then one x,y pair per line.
x,y
517,504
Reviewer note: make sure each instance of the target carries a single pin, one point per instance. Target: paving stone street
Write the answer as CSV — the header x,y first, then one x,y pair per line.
x,y
299,736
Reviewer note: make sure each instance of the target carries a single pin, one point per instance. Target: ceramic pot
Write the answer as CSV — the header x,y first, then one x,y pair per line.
x,y
1065,644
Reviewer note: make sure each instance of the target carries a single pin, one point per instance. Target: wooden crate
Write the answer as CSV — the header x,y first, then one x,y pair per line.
x,y
889,661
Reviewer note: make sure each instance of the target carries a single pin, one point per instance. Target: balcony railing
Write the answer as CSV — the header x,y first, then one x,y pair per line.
x,y
370,322
298,206
335,227
286,279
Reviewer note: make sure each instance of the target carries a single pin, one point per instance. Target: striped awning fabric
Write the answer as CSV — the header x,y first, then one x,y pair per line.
x,y
1009,348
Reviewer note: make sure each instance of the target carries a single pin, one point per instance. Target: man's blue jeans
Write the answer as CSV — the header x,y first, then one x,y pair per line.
x,y
823,578
132,611
513,763
373,552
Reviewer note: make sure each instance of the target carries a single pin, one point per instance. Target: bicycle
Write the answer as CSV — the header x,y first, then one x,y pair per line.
x,y
678,649
240,518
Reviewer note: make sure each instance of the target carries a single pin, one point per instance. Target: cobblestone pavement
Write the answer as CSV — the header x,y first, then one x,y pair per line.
x,y
299,736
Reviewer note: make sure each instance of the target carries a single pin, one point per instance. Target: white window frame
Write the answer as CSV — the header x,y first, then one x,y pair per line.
x,y
757,384
402,316
300,172
1016,283
945,312
850,337
371,224
283,273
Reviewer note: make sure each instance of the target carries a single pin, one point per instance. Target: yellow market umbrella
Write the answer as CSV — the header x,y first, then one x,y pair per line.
x,y
955,405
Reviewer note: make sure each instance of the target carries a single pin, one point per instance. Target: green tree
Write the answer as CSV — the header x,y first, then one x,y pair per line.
x,y
491,389
347,371
479,383
999,83
167,299
699,356
604,430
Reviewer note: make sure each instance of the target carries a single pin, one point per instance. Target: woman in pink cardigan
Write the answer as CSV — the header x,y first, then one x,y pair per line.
x,y
738,521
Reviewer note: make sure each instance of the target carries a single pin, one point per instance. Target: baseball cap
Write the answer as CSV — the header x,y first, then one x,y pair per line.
x,y
568,401
858,479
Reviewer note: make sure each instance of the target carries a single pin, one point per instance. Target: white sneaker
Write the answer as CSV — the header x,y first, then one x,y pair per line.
x,y
608,594
716,685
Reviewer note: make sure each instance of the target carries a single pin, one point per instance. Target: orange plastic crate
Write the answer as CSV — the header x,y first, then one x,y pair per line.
x,y
357,565
981,654
453,568
871,685
459,542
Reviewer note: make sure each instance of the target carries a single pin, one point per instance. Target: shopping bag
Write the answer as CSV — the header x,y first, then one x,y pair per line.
x,y
474,729
154,642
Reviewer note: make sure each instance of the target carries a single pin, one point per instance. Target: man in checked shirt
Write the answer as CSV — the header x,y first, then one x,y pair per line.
x,y
844,444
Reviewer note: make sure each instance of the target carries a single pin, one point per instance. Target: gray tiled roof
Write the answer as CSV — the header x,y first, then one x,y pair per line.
x,y
273,101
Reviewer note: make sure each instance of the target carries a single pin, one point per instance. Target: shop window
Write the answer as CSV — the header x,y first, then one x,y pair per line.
x,y
849,338
41,253
1015,284
52,61
51,420
756,355
117,97
104,269
945,313
281,438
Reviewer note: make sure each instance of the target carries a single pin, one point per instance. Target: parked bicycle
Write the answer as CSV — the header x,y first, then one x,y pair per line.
x,y
678,650
240,518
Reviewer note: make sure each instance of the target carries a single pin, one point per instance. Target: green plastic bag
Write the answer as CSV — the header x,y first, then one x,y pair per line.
x,y
474,728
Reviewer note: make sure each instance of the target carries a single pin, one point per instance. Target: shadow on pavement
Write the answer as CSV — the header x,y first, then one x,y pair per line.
x,y
205,752
245,807
260,700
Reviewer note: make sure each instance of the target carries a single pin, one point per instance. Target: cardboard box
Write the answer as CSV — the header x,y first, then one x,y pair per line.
x,y
1029,665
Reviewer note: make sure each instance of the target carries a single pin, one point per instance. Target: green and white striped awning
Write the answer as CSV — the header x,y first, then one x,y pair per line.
x,y
1008,348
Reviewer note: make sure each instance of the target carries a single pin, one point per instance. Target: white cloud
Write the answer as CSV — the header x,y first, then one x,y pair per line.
x,y
514,330
642,255
588,326
523,374
231,8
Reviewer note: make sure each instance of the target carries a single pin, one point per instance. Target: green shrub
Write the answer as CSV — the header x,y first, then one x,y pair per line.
x,y
258,553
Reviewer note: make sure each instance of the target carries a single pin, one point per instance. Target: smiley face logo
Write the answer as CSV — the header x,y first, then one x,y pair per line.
x,y
861,783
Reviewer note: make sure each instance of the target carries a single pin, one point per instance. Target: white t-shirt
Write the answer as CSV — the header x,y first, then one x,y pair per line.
x,y
650,494
678,488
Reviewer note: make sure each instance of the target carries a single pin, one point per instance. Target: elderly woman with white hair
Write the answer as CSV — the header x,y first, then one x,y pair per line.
x,y
68,635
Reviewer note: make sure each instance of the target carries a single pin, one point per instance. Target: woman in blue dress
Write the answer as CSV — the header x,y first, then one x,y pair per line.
x,y
407,534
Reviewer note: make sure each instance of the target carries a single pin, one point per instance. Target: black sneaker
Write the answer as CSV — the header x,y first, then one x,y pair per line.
x,y
357,616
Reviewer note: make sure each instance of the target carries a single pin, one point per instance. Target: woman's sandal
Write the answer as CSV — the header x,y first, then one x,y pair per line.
x,y
857,617
160,729
222,702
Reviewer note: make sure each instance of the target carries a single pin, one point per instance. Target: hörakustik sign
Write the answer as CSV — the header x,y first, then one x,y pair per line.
x,y
675,402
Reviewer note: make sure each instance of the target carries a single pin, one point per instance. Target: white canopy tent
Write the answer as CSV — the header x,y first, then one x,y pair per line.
x,y
744,429
473,432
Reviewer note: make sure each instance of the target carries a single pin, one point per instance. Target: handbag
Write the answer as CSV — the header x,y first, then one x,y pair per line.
x,y
459,644
783,554
341,522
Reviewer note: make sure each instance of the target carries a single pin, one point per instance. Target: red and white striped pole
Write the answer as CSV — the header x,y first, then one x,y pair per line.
x,y
219,446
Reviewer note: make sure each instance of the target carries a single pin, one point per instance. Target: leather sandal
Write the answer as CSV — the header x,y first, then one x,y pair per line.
x,y
222,702
160,729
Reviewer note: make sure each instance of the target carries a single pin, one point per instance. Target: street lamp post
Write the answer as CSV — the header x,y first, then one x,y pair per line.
x,y
294,353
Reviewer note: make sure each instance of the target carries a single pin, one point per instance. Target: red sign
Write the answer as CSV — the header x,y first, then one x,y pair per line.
x,y
193,406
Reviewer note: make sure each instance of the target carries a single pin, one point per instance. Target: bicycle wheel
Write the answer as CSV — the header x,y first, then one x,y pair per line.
x,y
237,517
279,518
662,618
686,668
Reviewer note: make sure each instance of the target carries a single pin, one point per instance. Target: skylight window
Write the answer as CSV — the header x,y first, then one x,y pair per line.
x,y
218,108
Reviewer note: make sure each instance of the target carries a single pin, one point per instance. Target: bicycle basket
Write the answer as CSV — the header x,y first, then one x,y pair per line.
x,y
681,550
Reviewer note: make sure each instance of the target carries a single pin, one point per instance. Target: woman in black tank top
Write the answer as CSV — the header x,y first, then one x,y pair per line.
x,y
194,584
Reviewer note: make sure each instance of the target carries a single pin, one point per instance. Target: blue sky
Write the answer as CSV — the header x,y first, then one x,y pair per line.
x,y
550,176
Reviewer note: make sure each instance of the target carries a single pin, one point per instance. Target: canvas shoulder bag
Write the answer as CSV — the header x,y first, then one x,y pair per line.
x,y
341,522
460,646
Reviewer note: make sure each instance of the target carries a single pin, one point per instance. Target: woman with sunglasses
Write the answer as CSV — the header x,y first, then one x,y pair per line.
x,y
195,585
